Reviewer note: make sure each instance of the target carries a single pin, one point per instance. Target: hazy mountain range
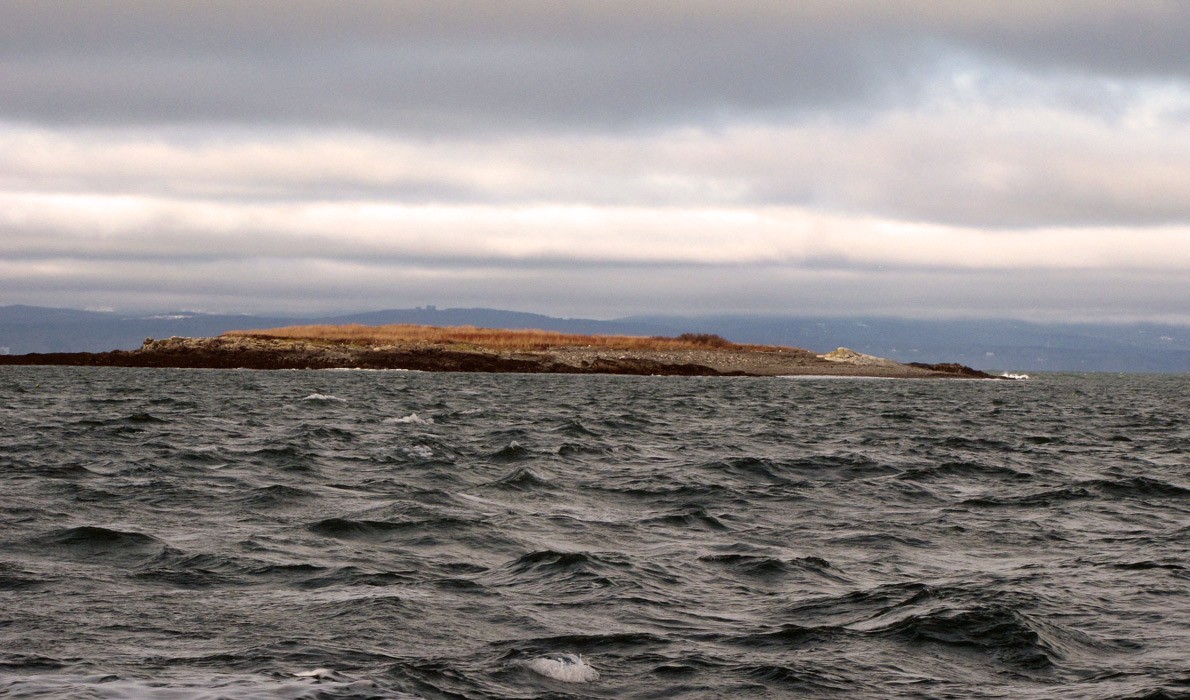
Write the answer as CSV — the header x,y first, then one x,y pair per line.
x,y
985,344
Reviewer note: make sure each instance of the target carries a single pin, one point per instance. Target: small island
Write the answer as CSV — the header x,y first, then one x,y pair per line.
x,y
470,349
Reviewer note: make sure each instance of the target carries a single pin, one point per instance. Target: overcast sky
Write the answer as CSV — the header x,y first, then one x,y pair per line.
x,y
1023,159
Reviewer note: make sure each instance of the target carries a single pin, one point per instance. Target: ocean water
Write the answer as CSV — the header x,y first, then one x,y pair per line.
x,y
207,534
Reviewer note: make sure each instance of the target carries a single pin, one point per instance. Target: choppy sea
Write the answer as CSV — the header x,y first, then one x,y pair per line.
x,y
345,534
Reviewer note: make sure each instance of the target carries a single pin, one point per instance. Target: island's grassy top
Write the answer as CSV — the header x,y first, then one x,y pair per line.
x,y
494,338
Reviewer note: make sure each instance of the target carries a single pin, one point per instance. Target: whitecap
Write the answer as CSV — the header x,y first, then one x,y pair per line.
x,y
411,418
318,674
1013,375
365,369
324,397
568,668
419,452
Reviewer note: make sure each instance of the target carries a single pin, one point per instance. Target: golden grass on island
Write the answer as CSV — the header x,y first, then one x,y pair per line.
x,y
494,338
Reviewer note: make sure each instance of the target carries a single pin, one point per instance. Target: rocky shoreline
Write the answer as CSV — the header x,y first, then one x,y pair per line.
x,y
239,352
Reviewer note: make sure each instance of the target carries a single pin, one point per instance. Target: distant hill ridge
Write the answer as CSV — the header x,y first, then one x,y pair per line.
x,y
991,344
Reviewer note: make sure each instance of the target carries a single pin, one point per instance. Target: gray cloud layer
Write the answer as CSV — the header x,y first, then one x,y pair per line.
x,y
444,65
1015,157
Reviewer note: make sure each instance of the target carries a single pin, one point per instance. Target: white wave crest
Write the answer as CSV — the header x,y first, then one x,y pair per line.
x,y
324,397
568,668
411,418
321,674
1013,375
419,452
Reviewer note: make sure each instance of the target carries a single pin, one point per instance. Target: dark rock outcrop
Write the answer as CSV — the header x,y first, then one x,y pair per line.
x,y
249,353
253,352
954,368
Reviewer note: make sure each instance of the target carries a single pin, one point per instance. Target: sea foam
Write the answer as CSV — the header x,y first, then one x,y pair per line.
x,y
568,668
411,418
324,397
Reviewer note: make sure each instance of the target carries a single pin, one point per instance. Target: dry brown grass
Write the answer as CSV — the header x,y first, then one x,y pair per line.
x,y
493,338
